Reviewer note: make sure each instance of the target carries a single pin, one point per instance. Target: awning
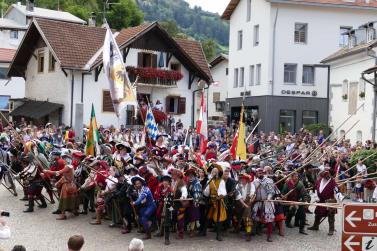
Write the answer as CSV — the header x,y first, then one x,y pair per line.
x,y
35,109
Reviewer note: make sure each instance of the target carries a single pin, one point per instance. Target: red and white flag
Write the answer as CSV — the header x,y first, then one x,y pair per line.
x,y
201,125
233,148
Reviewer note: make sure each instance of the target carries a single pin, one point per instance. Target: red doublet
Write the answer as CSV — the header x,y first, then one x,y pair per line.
x,y
326,194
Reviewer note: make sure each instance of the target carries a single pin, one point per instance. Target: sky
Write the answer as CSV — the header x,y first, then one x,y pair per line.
x,y
210,5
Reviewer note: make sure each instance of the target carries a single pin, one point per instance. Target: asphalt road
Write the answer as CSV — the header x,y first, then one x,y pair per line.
x,y
40,231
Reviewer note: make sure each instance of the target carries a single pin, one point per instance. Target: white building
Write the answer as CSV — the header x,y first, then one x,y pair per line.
x,y
218,91
350,94
275,48
65,76
13,26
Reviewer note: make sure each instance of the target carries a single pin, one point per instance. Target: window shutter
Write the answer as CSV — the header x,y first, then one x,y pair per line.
x,y
167,103
181,105
107,103
297,36
216,97
140,59
154,60
302,37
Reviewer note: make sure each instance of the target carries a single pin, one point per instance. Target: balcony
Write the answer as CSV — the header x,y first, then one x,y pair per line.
x,y
155,77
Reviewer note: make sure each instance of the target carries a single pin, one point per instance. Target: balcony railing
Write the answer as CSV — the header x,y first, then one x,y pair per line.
x,y
154,76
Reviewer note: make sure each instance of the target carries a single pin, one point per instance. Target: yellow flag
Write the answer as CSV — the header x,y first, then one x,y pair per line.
x,y
241,146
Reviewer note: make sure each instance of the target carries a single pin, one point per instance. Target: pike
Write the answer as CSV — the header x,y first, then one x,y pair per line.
x,y
330,205
362,161
255,127
301,167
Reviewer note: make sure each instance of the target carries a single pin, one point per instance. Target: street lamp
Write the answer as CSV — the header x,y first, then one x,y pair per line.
x,y
373,71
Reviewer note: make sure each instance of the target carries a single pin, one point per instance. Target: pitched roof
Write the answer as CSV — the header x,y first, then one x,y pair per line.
x,y
189,51
10,24
6,55
328,3
71,44
344,52
47,13
218,59
195,50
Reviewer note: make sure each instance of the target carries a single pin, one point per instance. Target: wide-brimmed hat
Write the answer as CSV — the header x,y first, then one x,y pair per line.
x,y
137,178
78,155
166,178
190,170
123,145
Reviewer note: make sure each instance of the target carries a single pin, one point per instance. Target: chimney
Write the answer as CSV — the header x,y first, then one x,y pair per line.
x,y
30,5
92,20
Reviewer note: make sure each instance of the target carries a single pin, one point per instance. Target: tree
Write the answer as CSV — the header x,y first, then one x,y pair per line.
x,y
209,48
124,14
170,27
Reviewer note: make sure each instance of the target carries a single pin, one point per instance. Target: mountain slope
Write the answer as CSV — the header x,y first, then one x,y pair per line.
x,y
195,22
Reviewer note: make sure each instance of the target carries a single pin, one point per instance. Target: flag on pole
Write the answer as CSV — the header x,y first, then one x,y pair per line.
x,y
201,125
150,124
121,91
93,136
233,148
241,146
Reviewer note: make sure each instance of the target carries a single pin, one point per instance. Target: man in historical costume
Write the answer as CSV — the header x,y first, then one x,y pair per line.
x,y
69,199
196,193
216,190
181,202
149,178
164,196
33,182
327,191
232,193
145,203
244,200
294,190
111,201
122,156
263,211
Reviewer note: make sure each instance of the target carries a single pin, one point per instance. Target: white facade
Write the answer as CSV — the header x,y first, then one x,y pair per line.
x,y
57,88
218,92
346,79
277,23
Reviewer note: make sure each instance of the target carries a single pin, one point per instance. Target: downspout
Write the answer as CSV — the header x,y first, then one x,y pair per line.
x,y
273,51
72,86
82,87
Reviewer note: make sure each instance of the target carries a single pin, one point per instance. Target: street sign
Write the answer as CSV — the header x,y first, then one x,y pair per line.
x,y
358,242
360,219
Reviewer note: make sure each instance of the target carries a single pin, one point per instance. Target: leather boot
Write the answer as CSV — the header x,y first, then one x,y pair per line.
x,y
148,234
317,221
97,221
331,225
218,232
30,208
167,235
44,204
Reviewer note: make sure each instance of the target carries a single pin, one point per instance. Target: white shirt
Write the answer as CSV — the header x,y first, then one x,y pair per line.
x,y
111,182
361,169
244,189
221,191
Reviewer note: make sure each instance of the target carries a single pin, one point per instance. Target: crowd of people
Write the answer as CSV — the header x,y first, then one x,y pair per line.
x,y
171,186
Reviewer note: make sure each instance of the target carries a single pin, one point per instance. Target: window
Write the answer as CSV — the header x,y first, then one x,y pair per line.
x,y
345,89
359,136
240,37
242,77
308,73
3,73
361,88
235,84
227,71
13,34
301,31
175,67
4,103
147,60
220,106
290,72
248,11
216,97
309,118
107,103
251,75
176,105
256,35
287,121
343,37
258,74
51,62
41,61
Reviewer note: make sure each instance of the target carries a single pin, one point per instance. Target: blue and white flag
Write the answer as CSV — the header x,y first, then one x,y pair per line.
x,y
151,125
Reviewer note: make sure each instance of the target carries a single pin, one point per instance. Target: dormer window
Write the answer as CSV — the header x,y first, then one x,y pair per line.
x,y
361,36
351,40
371,34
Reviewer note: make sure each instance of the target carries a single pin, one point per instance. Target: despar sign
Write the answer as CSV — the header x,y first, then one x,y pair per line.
x,y
299,93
